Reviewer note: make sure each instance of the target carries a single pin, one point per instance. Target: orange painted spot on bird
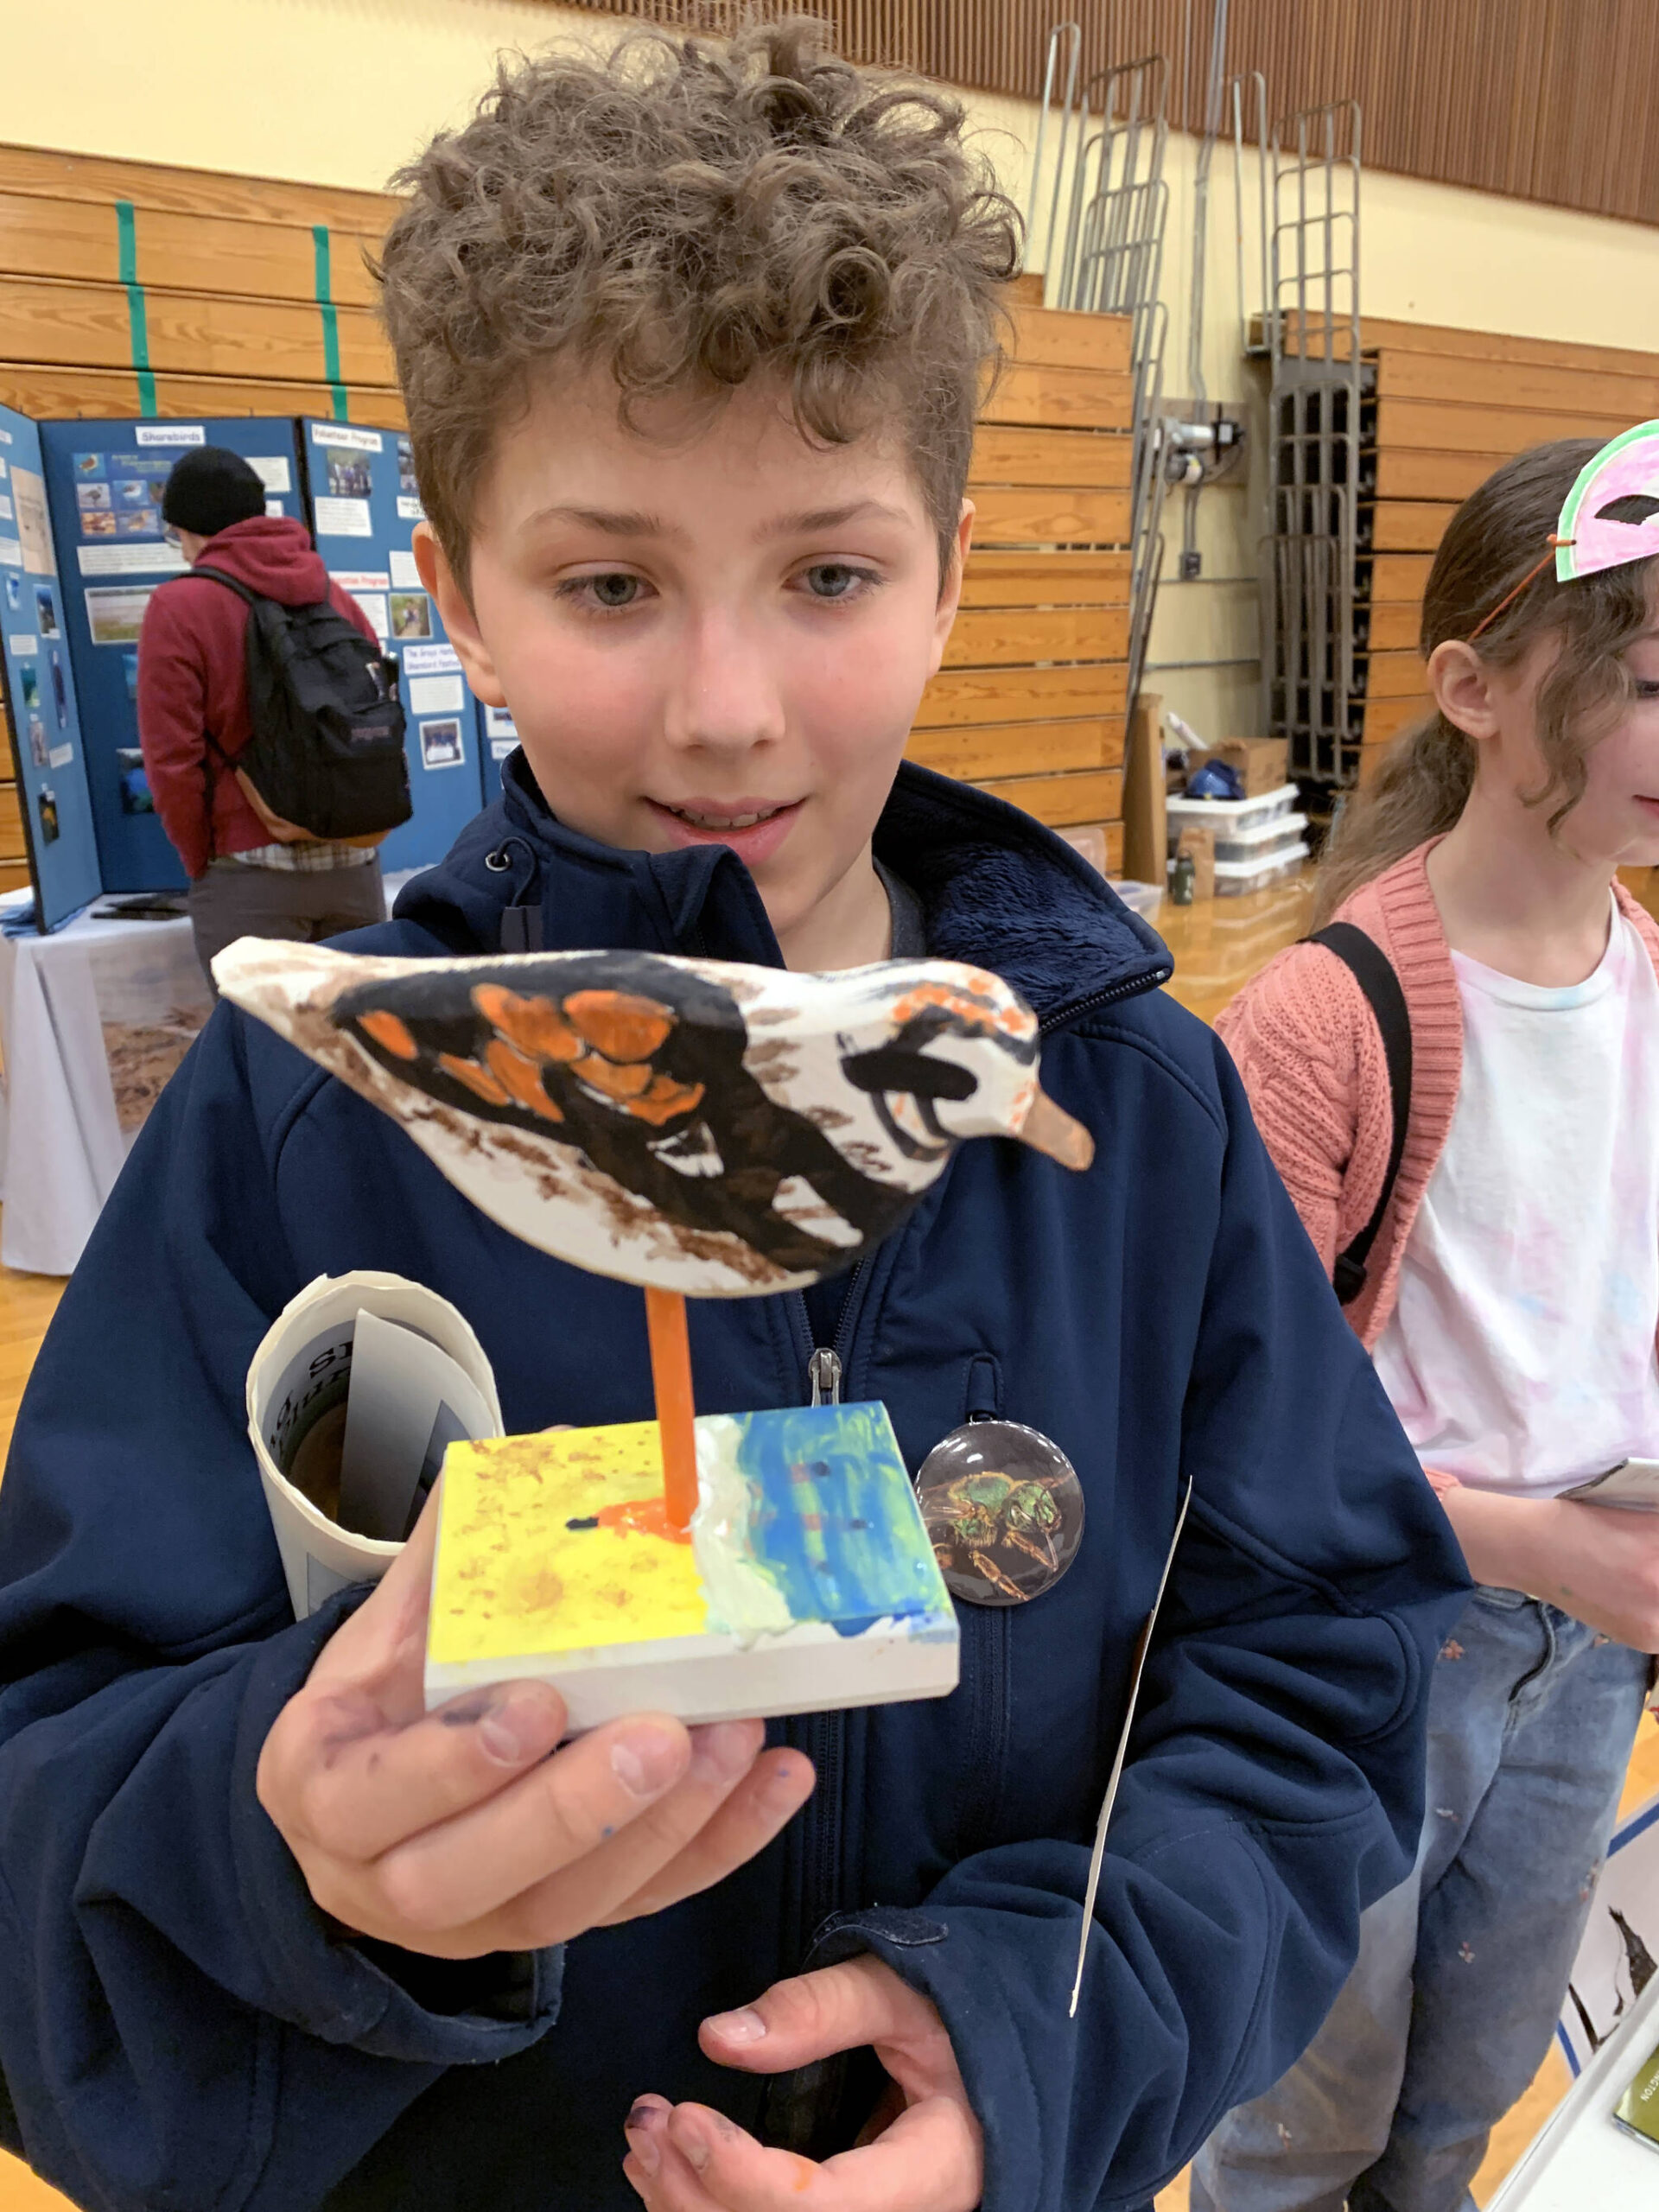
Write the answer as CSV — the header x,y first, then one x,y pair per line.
x,y
665,1099
390,1034
478,1080
643,1516
534,1024
620,1024
520,1078
620,1084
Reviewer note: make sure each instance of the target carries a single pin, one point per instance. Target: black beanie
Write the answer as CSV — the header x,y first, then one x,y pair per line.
x,y
209,489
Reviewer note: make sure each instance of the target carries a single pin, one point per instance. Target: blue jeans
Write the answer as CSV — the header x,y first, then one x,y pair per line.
x,y
1461,1971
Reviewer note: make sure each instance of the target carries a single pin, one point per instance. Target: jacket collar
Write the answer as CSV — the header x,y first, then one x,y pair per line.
x,y
997,888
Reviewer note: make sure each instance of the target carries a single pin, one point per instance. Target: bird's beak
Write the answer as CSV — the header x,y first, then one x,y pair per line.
x,y
1048,1128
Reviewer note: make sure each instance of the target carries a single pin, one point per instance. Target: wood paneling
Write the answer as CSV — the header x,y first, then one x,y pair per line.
x,y
195,253
1063,399
1043,517
1097,795
11,823
1567,390
52,176
1409,526
1045,580
1394,675
1438,426
1386,718
1400,577
1009,695
1095,459
1002,637
1393,627
1056,338
46,390
1018,748
87,325
1542,99
1404,474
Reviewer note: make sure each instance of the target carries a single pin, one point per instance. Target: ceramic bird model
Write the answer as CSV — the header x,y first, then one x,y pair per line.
x,y
692,1125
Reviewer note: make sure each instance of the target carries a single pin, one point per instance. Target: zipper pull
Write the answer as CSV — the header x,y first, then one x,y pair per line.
x,y
823,1373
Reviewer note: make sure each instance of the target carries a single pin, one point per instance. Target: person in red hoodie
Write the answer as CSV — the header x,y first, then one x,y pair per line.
x,y
246,881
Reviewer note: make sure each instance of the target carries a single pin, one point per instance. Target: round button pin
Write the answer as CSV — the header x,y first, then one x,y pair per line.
x,y
1003,1510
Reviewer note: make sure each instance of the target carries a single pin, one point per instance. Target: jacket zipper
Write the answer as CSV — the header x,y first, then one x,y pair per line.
x,y
822,1735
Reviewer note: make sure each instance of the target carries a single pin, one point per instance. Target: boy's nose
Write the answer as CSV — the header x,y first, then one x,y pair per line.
x,y
725,694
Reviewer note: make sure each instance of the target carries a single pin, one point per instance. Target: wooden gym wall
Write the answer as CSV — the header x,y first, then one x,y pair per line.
x,y
1550,100
127,288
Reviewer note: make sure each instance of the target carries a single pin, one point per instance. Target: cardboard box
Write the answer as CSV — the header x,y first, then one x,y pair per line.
x,y
1146,826
1258,762
1200,844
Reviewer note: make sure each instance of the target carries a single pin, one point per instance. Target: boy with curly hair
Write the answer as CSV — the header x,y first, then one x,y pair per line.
x,y
692,339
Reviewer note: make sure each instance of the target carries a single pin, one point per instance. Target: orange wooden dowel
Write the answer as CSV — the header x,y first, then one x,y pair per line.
x,y
671,1376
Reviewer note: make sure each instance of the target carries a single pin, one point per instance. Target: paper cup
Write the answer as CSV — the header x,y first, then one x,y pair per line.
x,y
297,1388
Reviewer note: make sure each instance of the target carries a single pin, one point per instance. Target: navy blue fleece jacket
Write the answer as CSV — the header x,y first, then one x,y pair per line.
x,y
179,2026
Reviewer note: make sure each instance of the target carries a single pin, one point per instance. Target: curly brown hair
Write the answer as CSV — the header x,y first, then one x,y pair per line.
x,y
689,213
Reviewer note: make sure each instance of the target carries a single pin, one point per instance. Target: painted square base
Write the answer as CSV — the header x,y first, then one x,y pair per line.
x,y
808,1584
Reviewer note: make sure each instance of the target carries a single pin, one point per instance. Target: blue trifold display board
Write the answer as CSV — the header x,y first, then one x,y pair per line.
x,y
500,738
48,756
365,504
104,485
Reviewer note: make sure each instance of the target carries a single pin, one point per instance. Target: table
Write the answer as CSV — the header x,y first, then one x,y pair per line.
x,y
93,1019
1580,2162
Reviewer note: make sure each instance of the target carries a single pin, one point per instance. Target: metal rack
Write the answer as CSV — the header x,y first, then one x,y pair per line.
x,y
1318,517
1108,180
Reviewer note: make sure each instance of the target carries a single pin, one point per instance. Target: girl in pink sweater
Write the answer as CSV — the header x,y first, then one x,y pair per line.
x,y
1510,1303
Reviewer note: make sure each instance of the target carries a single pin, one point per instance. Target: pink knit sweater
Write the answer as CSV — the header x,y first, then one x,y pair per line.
x,y
1307,1048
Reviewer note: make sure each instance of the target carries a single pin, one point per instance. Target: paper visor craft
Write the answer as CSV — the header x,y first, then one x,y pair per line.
x,y
1611,514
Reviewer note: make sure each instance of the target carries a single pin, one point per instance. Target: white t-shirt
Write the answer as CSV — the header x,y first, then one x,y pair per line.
x,y
1521,1355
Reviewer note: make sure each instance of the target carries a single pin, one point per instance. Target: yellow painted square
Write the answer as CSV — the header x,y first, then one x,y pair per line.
x,y
512,1580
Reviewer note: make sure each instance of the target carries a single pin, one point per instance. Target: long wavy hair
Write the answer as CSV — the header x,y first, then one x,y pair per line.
x,y
1497,535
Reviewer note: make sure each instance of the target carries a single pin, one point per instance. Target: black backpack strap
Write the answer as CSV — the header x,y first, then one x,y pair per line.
x,y
1373,970
231,583
219,576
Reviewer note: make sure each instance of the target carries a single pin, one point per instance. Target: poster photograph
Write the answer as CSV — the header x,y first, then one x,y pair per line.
x,y
441,746
115,612
412,615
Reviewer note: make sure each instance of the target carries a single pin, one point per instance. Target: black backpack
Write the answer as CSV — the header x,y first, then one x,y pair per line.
x,y
1373,970
327,754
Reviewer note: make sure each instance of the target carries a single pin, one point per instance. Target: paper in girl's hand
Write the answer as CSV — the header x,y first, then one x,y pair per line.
x,y
1633,1484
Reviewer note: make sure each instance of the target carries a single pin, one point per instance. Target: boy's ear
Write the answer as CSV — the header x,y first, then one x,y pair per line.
x,y
950,587
1461,683
458,617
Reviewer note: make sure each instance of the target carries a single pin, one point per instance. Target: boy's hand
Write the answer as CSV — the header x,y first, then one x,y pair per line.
x,y
922,2151
455,1834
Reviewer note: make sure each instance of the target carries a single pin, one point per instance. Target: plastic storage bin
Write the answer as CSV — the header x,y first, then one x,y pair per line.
x,y
1235,878
1272,840
1229,817
1144,898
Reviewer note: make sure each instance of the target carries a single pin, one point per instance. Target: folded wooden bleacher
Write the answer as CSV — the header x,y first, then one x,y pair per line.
x,y
128,287
1443,409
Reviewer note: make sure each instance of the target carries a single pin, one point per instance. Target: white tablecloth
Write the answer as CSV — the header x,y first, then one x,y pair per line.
x,y
97,1004
96,1009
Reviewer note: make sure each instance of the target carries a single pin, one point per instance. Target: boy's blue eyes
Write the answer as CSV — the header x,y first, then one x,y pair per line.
x,y
613,591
